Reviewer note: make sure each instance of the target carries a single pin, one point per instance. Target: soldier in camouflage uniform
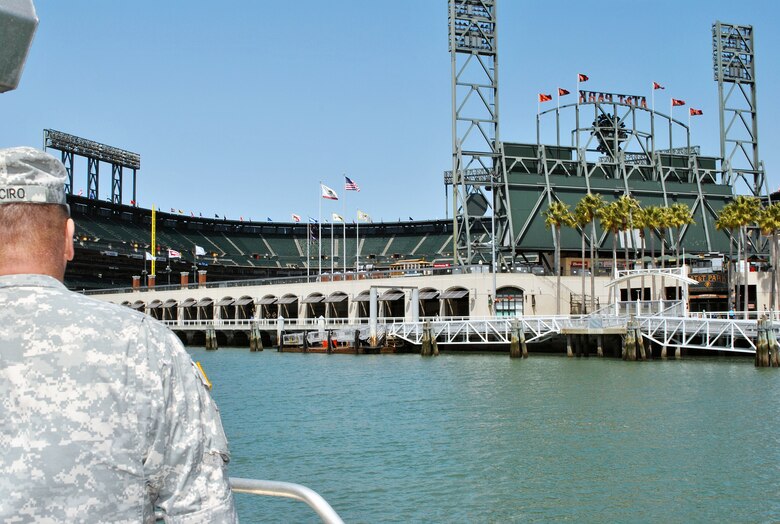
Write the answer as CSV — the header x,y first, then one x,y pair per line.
x,y
104,417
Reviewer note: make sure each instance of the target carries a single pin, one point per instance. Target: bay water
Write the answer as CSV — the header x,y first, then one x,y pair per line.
x,y
482,438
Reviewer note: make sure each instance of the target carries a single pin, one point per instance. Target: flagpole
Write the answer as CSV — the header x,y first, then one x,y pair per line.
x,y
558,117
357,244
671,117
308,243
344,223
331,246
319,236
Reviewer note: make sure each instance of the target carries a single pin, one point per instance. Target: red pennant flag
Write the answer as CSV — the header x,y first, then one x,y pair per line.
x,y
132,202
582,78
656,85
544,98
562,92
695,112
676,102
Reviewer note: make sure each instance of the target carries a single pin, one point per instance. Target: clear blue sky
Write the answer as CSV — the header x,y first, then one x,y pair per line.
x,y
241,108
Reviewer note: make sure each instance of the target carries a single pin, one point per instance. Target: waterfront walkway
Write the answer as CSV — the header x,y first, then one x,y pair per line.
x,y
663,323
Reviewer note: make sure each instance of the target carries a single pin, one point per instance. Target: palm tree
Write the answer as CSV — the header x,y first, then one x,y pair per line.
x,y
769,223
556,216
680,216
610,219
727,221
585,213
640,223
627,206
666,222
652,217
746,210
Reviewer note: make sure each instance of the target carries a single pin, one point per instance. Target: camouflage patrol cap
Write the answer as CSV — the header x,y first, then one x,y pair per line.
x,y
30,176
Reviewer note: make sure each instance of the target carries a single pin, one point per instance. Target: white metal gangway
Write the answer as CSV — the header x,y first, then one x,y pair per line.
x,y
498,330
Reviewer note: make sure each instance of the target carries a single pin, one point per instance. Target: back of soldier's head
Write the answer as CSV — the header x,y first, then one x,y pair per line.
x,y
33,207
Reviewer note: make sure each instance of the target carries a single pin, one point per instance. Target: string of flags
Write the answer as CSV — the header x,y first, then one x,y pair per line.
x,y
675,102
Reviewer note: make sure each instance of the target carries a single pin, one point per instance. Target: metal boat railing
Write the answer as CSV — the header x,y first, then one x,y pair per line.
x,y
288,490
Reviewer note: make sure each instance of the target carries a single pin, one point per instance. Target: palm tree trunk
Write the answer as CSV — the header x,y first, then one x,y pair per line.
x,y
729,271
642,280
625,263
558,270
614,266
582,270
663,264
737,276
747,272
652,255
593,267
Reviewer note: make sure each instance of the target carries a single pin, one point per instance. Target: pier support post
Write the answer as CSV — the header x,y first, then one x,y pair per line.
x,y
211,339
329,349
426,350
373,313
762,344
523,345
356,343
514,340
569,352
630,345
640,343
599,345
774,347
281,342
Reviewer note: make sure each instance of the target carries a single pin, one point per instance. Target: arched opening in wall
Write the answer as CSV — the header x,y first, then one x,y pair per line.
x,y
226,309
170,309
509,302
138,305
337,305
455,302
154,309
314,306
362,303
429,303
245,308
126,303
391,304
205,307
188,309
268,307
288,306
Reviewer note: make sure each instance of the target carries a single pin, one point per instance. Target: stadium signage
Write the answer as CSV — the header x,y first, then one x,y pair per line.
x,y
597,96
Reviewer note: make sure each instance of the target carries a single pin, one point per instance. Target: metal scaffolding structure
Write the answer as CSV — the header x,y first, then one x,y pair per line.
x,y
733,54
95,152
478,185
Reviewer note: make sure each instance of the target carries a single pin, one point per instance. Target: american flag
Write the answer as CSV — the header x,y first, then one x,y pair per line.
x,y
349,185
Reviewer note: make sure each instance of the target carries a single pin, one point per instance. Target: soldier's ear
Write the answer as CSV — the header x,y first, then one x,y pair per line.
x,y
70,229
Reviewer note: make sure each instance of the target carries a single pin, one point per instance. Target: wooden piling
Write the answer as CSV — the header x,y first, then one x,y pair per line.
x,y
426,350
514,341
211,340
599,345
640,343
523,345
569,352
774,347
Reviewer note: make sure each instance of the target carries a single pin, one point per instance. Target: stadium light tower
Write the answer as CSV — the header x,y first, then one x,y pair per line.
x,y
475,129
733,53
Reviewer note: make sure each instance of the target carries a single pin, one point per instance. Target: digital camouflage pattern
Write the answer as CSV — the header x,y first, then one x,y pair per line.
x,y
104,416
31,176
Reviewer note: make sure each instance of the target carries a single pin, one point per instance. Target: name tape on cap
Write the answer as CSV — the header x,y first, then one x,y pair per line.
x,y
13,194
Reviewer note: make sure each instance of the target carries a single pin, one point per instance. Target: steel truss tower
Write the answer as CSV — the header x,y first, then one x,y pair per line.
x,y
477,179
733,54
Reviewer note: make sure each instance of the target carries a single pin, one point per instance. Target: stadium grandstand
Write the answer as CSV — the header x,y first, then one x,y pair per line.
x,y
112,241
